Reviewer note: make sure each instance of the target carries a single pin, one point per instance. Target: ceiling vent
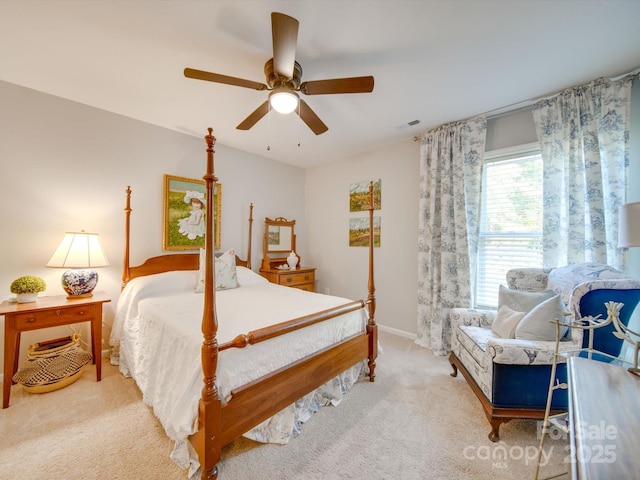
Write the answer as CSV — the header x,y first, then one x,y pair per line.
x,y
412,123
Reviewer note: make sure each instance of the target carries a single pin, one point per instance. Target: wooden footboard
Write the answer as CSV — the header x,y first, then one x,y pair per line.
x,y
258,400
255,402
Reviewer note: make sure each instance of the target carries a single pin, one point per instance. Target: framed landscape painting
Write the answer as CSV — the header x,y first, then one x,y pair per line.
x,y
359,232
185,215
359,196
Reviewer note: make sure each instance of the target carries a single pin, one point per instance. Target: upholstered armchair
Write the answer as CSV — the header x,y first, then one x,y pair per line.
x,y
506,355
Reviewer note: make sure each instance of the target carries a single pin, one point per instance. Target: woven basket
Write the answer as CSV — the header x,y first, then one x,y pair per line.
x,y
52,365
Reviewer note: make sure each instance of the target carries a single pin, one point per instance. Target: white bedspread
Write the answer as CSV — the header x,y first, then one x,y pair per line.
x,y
158,330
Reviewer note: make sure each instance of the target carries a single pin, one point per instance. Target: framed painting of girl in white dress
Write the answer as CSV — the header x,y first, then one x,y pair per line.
x,y
185,213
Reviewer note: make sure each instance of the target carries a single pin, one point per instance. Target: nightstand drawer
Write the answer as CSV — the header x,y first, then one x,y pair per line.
x,y
52,317
291,279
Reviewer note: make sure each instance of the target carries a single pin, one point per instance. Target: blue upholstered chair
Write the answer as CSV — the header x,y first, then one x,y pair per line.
x,y
510,376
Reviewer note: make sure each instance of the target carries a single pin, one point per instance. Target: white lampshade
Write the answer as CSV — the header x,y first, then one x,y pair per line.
x,y
629,226
283,100
80,252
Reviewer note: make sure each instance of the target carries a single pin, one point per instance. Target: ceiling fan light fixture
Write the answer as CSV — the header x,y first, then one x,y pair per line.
x,y
283,75
283,100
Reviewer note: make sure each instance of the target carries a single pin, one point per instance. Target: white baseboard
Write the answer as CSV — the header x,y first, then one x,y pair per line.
x,y
396,331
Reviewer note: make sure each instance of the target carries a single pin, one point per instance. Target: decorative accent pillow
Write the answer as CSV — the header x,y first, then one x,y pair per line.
x,y
506,321
225,265
538,325
521,300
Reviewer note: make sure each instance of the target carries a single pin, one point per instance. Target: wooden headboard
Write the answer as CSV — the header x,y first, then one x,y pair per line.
x,y
170,262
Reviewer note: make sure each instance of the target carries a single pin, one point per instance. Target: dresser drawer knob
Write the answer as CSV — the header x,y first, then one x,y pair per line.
x,y
289,280
306,277
31,320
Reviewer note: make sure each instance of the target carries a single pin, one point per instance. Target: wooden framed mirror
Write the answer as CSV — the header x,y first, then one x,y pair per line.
x,y
279,240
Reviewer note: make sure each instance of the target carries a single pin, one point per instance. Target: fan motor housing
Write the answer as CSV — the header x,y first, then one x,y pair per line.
x,y
274,80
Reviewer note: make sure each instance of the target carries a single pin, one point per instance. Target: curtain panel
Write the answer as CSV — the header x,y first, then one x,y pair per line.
x,y
584,138
451,159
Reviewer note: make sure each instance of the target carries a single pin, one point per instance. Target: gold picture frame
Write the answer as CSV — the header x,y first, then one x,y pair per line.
x,y
185,215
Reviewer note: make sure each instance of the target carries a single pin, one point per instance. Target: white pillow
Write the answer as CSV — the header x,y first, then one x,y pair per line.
x,y
506,321
522,300
225,265
538,325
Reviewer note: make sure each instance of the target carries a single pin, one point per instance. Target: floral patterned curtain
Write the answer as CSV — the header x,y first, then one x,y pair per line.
x,y
449,209
584,137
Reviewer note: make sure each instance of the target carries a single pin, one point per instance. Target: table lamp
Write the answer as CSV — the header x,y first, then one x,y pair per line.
x,y
80,252
629,236
629,226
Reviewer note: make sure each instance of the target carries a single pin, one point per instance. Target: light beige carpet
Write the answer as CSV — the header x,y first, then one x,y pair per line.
x,y
414,422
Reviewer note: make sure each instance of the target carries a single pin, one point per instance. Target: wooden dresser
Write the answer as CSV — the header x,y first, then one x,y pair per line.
x,y
303,278
278,243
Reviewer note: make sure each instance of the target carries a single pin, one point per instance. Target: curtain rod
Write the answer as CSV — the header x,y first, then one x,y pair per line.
x,y
526,104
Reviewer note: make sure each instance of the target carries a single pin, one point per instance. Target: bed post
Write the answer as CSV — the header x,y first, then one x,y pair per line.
x,y
372,328
209,443
126,272
250,227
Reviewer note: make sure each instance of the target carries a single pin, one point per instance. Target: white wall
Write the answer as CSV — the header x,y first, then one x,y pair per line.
x,y
65,166
343,269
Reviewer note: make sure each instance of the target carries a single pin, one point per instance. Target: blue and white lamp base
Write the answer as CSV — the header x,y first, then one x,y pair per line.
x,y
79,283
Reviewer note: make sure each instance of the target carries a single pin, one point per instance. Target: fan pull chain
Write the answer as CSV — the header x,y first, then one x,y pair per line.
x,y
269,129
298,124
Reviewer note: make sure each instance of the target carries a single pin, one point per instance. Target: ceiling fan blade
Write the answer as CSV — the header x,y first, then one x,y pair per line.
x,y
253,118
338,85
216,77
312,120
284,30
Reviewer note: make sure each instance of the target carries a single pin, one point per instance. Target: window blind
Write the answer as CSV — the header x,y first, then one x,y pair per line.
x,y
510,220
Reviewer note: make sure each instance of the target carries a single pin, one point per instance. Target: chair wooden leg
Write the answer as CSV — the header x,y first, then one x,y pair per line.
x,y
454,367
494,434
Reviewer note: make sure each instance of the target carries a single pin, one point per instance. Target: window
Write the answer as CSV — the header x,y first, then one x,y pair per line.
x,y
510,218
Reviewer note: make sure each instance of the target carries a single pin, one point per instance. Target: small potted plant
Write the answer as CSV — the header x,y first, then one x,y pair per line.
x,y
27,288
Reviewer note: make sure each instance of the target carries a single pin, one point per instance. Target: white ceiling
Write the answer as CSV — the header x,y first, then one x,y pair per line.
x,y
433,60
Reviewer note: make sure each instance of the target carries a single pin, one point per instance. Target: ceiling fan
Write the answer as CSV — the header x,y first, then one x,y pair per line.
x,y
283,75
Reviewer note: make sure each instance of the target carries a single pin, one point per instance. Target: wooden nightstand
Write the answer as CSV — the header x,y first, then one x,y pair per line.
x,y
47,312
302,278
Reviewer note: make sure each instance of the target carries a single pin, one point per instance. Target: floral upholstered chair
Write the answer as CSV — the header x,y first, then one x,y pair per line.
x,y
506,355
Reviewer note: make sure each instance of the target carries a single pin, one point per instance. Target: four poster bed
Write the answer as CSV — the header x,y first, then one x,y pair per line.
x,y
302,349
